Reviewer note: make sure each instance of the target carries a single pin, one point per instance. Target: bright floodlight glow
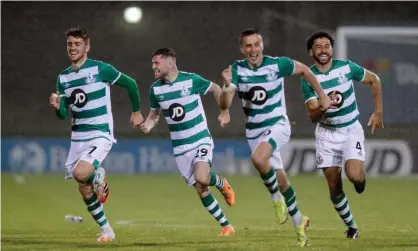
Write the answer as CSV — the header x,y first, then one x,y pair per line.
x,y
133,14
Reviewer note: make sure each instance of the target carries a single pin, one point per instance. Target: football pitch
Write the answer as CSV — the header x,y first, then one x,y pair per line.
x,y
159,212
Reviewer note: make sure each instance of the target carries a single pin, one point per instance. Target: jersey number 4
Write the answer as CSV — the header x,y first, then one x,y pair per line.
x,y
358,146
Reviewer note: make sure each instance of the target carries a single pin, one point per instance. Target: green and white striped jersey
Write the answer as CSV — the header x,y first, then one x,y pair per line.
x,y
87,94
340,79
261,91
183,110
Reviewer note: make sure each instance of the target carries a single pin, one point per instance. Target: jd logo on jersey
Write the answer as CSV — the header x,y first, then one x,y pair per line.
x,y
338,97
258,95
176,112
78,98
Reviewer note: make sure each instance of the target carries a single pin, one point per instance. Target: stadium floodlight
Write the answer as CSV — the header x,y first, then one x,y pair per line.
x,y
133,14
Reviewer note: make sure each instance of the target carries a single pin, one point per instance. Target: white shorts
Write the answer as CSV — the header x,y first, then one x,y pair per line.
x,y
93,151
185,162
277,135
336,145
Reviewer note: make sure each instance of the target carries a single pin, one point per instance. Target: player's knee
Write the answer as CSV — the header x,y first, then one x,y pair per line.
x,y
201,173
356,178
259,160
82,171
202,179
354,170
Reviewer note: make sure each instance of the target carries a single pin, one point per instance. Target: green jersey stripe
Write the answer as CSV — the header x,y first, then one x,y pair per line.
x,y
89,68
88,127
338,71
265,123
260,79
267,109
170,96
348,93
90,113
73,75
186,125
332,83
177,86
79,82
96,94
341,112
179,142
188,108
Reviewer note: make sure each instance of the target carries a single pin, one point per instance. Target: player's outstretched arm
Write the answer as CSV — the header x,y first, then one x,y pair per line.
x,y
216,90
228,90
315,114
131,86
226,97
151,120
306,73
376,119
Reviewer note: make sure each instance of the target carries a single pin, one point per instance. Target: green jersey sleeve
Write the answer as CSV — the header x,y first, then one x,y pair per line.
x,y
153,103
307,91
234,69
357,72
108,73
286,66
200,85
62,112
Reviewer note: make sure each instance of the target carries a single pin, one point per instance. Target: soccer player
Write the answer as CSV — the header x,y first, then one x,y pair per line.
x,y
259,81
177,94
339,135
83,88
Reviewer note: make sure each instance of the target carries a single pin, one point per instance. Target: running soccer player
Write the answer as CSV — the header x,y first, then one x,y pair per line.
x,y
339,135
84,89
177,94
259,82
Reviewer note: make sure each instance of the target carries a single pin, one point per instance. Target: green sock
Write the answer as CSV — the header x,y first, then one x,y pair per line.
x,y
96,210
343,209
215,180
211,204
270,181
292,206
91,178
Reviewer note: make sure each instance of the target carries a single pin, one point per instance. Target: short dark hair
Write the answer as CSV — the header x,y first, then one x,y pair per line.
x,y
248,32
77,32
166,52
316,35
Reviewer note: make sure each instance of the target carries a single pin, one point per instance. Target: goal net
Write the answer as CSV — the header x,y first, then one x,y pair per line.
x,y
392,53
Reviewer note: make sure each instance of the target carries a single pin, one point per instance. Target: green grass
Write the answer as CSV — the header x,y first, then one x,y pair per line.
x,y
165,214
